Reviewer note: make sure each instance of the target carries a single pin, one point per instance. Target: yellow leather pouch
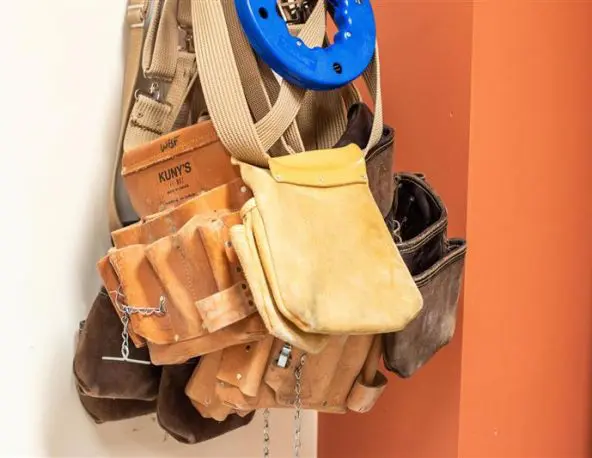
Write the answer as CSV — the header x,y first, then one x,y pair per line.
x,y
317,253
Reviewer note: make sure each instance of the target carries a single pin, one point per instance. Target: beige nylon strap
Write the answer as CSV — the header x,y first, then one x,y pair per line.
x,y
223,89
162,40
161,59
152,118
226,100
136,12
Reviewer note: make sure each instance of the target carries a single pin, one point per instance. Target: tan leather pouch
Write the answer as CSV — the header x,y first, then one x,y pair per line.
x,y
227,197
314,235
342,377
175,167
113,289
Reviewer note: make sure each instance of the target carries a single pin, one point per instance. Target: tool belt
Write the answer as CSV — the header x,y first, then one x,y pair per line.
x,y
273,258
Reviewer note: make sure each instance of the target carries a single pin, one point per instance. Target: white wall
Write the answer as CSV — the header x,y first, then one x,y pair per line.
x,y
60,85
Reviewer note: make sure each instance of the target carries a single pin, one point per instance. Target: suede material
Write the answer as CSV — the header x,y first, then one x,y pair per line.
x,y
177,416
101,336
379,160
306,256
418,221
103,410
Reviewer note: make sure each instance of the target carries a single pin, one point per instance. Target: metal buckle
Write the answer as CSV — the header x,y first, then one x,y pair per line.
x,y
135,16
153,93
295,11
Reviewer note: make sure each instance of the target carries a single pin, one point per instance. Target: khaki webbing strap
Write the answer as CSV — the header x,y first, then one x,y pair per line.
x,y
136,12
162,39
223,90
152,118
224,93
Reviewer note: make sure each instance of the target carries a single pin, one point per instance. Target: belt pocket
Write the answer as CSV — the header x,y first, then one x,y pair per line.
x,y
408,350
175,167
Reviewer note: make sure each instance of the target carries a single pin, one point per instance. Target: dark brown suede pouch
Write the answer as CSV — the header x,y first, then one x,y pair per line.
x,y
418,222
103,410
177,416
101,336
379,160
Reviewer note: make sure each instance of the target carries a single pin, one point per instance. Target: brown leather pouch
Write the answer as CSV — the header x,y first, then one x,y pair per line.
x,y
419,219
100,335
379,160
183,258
175,167
103,410
262,375
177,416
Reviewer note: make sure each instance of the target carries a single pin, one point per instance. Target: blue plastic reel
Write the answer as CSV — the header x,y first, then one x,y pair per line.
x,y
312,68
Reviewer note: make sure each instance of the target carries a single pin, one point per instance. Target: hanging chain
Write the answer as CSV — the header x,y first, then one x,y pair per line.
x,y
266,433
298,406
127,311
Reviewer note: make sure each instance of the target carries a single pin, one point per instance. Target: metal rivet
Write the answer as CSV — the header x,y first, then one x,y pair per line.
x,y
228,244
243,286
243,189
176,337
239,376
298,43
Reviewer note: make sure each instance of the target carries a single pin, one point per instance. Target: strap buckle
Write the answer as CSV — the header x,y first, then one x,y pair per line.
x,y
295,12
135,16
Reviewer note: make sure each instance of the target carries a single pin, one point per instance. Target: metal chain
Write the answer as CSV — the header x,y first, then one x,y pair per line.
x,y
298,405
266,433
127,311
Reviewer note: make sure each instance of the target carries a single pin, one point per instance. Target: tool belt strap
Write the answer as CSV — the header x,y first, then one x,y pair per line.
x,y
225,97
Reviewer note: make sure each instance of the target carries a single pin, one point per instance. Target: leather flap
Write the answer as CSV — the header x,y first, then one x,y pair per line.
x,y
362,397
321,168
226,307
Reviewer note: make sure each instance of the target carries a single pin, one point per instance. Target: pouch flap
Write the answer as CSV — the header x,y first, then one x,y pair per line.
x,y
226,307
251,329
112,286
321,168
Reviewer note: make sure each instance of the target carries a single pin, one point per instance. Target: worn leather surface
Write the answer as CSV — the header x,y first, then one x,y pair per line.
x,y
240,379
437,265
319,279
177,416
103,410
175,167
407,351
379,161
184,255
423,220
101,336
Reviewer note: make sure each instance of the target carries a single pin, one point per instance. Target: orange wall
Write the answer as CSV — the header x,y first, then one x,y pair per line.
x,y
517,380
527,347
425,50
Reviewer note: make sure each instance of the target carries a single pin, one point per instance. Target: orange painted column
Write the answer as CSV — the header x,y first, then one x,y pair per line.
x,y
493,101
527,343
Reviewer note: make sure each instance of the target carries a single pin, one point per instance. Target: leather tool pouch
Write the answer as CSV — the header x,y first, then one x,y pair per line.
x,y
437,265
177,416
101,336
308,275
103,410
261,375
186,289
379,160
175,167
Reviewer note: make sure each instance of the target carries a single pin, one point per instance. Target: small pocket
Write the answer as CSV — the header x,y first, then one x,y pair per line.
x,y
421,219
173,168
101,336
408,350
